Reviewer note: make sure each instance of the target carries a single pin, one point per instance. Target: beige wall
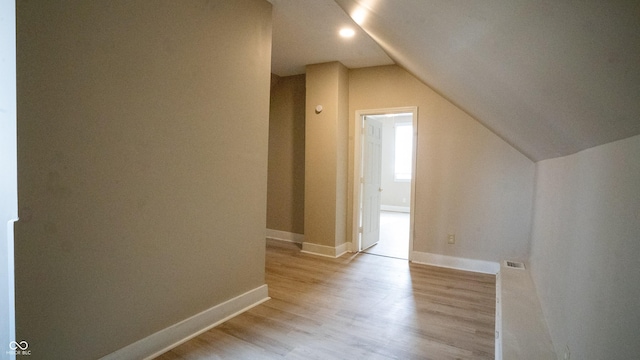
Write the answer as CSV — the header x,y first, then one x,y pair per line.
x,y
342,159
585,250
326,154
142,165
469,182
285,191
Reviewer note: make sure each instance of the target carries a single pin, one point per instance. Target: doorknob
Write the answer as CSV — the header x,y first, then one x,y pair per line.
x,y
380,189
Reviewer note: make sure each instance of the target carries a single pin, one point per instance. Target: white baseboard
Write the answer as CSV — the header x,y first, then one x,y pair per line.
x,y
480,266
285,236
323,250
404,209
156,344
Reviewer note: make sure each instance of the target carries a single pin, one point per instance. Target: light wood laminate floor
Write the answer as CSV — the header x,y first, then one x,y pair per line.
x,y
394,235
356,307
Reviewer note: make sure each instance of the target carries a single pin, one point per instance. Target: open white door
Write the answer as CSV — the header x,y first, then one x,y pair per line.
x,y
371,182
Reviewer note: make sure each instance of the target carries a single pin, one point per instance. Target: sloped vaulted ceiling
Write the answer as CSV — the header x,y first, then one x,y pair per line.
x,y
550,77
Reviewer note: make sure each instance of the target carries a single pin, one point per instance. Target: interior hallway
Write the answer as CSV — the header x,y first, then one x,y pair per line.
x,y
394,235
356,307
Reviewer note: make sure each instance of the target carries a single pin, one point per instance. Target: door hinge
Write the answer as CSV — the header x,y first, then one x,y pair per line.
x,y
360,229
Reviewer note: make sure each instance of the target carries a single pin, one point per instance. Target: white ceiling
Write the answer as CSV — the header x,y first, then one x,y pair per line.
x,y
550,77
306,32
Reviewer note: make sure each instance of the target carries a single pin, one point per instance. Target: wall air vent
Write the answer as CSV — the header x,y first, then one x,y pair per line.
x,y
514,264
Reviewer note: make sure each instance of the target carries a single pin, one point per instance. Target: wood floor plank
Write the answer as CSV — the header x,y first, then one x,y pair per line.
x,y
356,307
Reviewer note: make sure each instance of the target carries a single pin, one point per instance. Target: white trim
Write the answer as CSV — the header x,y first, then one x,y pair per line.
x,y
479,266
156,344
498,341
404,209
285,236
8,184
323,250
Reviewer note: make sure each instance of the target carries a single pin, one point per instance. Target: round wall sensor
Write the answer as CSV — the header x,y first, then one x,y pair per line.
x,y
318,109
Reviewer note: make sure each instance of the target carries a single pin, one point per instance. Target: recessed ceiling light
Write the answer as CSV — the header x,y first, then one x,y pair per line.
x,y
347,32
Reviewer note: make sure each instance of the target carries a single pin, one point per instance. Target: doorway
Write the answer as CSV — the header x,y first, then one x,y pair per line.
x,y
384,168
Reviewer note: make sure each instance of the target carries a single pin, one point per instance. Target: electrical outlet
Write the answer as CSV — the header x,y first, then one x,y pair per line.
x,y
451,239
567,353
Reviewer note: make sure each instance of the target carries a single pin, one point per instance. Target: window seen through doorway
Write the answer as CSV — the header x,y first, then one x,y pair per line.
x,y
403,150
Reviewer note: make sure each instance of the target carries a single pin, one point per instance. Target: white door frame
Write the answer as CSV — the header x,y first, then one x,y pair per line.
x,y
357,171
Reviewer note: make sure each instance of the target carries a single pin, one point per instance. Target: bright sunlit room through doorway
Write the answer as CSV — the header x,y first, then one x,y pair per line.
x,y
387,162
